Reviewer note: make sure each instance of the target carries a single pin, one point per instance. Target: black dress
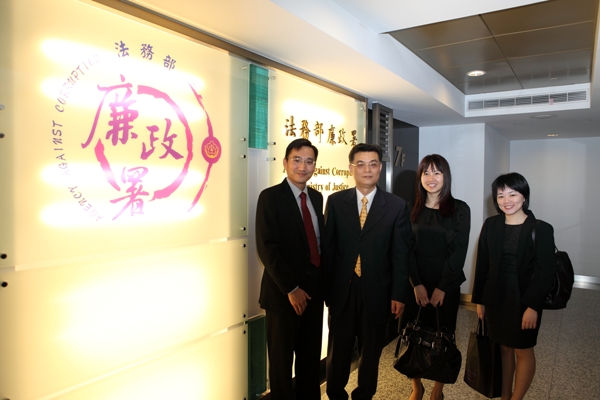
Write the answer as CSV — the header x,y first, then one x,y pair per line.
x,y
437,261
505,313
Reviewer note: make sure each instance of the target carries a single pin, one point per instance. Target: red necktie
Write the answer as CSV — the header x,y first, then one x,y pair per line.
x,y
315,259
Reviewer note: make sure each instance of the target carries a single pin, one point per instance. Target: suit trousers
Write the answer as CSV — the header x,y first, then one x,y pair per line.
x,y
352,324
289,334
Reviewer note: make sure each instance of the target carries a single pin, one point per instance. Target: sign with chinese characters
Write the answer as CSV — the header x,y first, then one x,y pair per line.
x,y
145,137
131,145
331,121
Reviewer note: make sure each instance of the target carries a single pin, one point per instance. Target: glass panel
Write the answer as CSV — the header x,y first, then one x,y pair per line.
x,y
7,143
124,137
331,121
259,106
207,370
65,325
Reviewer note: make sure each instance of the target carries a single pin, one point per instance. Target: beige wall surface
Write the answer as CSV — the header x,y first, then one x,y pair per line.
x,y
124,218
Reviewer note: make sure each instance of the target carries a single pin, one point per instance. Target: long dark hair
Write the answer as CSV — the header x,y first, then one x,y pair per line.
x,y
446,201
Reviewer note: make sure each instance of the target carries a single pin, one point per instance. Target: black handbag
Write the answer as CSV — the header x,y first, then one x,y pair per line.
x,y
427,353
483,368
564,278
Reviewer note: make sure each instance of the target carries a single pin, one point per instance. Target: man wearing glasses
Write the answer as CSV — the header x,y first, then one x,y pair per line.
x,y
367,234
289,222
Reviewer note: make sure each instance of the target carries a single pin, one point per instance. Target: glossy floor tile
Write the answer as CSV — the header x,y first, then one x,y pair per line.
x,y
567,353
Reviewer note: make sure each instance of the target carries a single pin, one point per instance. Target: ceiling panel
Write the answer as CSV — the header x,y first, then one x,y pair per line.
x,y
564,61
558,78
476,51
455,31
494,70
541,15
489,85
551,39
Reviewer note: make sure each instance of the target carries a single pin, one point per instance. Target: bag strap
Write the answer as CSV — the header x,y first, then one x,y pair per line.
x,y
398,346
416,323
482,328
533,234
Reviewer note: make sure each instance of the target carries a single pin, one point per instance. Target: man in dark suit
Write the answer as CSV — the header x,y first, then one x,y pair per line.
x,y
366,272
289,221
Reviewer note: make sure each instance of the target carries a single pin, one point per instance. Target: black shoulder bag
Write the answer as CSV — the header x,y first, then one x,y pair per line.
x,y
560,293
427,353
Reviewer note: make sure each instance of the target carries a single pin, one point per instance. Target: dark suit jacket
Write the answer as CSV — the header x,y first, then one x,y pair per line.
x,y
383,247
536,266
283,247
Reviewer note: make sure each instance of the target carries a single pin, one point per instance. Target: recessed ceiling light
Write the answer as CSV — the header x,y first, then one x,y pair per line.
x,y
476,72
553,79
552,135
544,116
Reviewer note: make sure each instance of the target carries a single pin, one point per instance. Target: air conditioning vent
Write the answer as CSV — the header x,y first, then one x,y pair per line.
x,y
559,98
476,105
544,99
523,101
577,96
507,102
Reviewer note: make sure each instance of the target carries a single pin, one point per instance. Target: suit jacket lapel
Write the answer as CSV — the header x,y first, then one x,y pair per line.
x,y
350,210
523,237
318,206
292,205
497,239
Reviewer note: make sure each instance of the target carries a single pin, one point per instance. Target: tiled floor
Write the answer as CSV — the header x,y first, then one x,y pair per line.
x,y
568,356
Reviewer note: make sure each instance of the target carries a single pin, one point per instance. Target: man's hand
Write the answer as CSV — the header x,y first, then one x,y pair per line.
x,y
437,298
299,299
397,308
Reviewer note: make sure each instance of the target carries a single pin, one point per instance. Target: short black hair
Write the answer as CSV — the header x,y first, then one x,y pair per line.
x,y
512,180
365,147
298,144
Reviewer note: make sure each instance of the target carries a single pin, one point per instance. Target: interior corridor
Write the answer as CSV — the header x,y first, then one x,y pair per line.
x,y
568,355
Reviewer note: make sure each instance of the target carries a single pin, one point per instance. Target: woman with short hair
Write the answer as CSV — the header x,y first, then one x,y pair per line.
x,y
513,275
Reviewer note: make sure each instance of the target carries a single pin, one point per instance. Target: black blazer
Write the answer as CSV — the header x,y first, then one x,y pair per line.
x,y
536,266
383,247
283,247
457,230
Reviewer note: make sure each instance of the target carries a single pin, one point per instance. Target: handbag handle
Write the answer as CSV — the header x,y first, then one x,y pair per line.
x,y
416,323
482,328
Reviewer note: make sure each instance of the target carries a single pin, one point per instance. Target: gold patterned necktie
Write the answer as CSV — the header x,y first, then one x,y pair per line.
x,y
363,218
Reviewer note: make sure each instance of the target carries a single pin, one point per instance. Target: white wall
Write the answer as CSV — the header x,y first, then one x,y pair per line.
x,y
464,148
497,162
564,192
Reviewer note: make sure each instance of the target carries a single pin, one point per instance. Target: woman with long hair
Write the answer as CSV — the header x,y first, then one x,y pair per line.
x,y
513,275
440,225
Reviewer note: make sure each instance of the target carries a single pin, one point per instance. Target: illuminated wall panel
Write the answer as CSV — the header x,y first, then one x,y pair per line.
x,y
124,136
332,122
209,369
66,325
123,210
